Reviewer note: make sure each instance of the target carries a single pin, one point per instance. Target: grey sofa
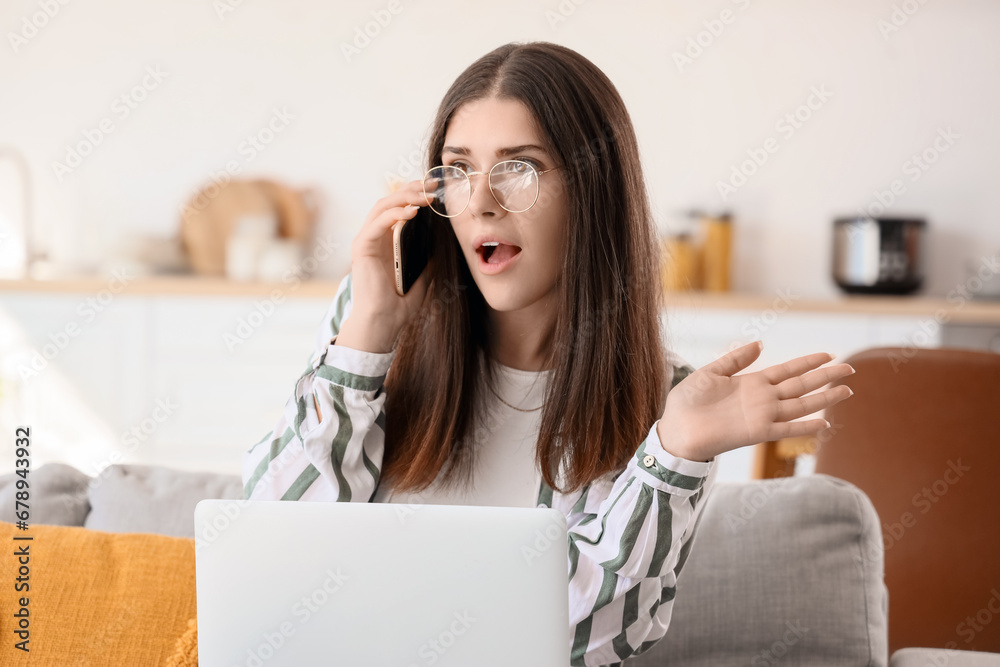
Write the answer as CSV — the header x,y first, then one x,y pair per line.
x,y
781,572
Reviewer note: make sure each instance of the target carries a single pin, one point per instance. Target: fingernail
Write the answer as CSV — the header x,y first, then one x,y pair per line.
x,y
411,207
851,392
852,370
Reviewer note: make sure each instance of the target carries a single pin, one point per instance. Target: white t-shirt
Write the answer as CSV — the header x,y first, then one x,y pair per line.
x,y
505,473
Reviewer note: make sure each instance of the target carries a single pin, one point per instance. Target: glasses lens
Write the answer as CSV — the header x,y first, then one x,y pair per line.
x,y
450,187
515,185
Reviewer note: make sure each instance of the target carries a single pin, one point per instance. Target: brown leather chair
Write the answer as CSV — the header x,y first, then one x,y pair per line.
x,y
921,437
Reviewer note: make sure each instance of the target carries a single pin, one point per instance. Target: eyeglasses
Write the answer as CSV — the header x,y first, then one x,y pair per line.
x,y
514,184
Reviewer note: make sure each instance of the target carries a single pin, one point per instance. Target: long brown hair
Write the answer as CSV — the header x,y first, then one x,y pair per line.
x,y
608,384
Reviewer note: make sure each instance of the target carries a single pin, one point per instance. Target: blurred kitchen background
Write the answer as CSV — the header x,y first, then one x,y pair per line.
x,y
184,179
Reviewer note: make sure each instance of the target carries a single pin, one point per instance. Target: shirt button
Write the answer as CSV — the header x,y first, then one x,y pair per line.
x,y
649,461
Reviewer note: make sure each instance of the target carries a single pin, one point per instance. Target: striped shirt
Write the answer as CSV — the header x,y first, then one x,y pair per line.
x,y
629,535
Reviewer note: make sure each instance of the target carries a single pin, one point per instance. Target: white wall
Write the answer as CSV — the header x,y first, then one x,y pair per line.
x,y
355,121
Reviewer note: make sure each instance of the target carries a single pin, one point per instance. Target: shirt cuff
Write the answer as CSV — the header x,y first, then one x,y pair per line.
x,y
662,469
353,368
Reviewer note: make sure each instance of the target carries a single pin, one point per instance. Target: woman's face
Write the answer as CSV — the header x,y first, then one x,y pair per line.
x,y
480,134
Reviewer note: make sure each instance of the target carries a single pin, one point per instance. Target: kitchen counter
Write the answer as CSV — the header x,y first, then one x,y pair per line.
x,y
173,285
964,311
956,311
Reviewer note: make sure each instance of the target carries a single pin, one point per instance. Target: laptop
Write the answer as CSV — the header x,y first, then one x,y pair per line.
x,y
380,584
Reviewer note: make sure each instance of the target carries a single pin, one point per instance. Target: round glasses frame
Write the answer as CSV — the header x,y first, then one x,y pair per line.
x,y
469,174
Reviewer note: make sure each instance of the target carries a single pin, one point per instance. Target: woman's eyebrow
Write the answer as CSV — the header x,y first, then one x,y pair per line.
x,y
501,152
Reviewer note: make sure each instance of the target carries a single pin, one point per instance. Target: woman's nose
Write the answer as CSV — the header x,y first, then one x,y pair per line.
x,y
481,202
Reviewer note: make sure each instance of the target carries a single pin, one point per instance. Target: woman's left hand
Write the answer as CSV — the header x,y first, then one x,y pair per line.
x,y
713,410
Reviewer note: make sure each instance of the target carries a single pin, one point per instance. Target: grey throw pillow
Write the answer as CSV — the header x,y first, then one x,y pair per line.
x,y
781,572
57,496
131,498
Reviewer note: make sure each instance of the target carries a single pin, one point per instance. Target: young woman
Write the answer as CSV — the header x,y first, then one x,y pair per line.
x,y
526,365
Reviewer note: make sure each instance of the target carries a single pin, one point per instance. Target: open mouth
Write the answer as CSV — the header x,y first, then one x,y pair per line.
x,y
494,252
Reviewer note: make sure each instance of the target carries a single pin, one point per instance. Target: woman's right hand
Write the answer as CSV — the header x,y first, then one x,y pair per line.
x,y
378,313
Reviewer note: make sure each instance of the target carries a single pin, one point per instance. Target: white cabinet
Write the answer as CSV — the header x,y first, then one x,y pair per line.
x,y
150,377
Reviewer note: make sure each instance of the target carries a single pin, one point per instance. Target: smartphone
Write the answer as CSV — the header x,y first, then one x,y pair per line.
x,y
412,245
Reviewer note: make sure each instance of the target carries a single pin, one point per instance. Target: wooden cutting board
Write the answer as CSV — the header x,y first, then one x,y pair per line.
x,y
210,217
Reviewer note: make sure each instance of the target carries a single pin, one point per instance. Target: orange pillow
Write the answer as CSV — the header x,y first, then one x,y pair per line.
x,y
95,597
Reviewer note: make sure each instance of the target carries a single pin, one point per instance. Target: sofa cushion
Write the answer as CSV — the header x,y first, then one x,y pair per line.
x,y
99,598
58,495
780,571
929,657
131,498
